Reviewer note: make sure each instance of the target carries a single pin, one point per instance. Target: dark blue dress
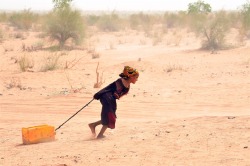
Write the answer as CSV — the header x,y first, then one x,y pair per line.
x,y
107,97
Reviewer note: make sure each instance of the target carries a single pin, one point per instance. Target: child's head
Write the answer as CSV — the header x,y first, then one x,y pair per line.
x,y
130,73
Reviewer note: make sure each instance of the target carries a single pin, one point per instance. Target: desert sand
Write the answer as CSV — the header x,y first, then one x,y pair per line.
x,y
188,108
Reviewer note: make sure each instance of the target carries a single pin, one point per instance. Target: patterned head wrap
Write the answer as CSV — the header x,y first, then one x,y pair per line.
x,y
129,72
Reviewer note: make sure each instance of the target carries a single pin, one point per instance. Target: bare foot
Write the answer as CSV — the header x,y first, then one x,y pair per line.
x,y
100,137
92,128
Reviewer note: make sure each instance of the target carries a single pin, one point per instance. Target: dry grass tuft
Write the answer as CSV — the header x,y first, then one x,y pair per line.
x,y
25,63
50,63
172,67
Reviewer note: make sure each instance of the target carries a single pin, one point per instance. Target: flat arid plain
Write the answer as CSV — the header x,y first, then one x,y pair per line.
x,y
190,107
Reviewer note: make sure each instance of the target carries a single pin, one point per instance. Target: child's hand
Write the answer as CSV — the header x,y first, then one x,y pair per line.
x,y
96,96
116,96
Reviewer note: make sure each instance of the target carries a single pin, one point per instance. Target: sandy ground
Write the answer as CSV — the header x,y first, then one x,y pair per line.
x,y
188,108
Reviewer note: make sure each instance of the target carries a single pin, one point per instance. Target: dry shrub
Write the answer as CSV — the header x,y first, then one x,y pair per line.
x,y
212,28
109,22
157,38
14,83
99,79
1,35
23,19
73,90
65,24
111,46
174,20
94,54
19,35
215,32
72,63
25,63
177,37
172,67
34,47
4,16
50,63
245,20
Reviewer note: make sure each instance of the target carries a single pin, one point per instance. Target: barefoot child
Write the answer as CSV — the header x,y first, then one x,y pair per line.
x,y
108,96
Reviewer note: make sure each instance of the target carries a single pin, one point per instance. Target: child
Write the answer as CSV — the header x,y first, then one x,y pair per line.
x,y
108,96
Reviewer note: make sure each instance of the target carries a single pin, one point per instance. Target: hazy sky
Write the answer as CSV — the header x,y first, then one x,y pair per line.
x,y
128,5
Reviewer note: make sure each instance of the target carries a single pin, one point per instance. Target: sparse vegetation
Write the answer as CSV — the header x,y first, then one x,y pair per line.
x,y
180,104
109,22
211,26
1,35
174,20
14,82
171,67
67,26
3,17
71,64
19,35
91,50
111,46
34,47
157,38
64,23
245,20
95,54
23,19
73,89
99,79
50,63
215,32
25,63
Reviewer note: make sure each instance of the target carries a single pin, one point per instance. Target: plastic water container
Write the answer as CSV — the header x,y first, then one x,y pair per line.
x,y
38,134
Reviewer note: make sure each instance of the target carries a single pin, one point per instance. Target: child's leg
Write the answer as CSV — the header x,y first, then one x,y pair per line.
x,y
100,135
93,125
